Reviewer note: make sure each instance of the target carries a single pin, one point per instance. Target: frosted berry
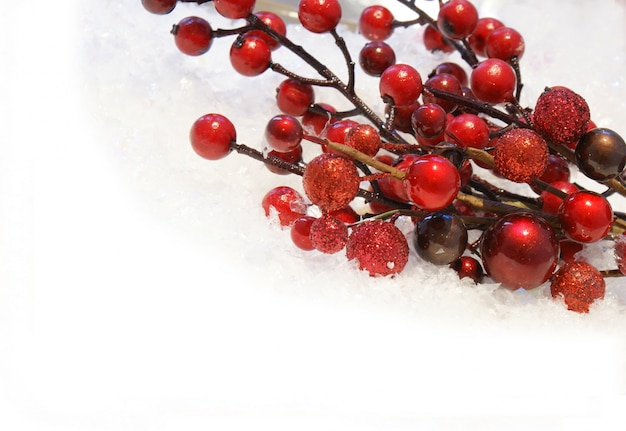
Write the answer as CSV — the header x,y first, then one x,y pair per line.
x,y
432,182
234,9
493,81
331,181
375,23
378,247
579,284
400,84
211,136
294,97
520,155
193,35
283,133
159,7
250,55
319,16
585,216
375,57
561,115
457,19
286,203
329,234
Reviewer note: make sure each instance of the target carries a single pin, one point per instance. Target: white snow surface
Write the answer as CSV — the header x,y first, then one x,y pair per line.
x,y
142,288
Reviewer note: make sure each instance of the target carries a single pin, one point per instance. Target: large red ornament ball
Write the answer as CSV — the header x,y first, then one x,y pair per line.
x,y
379,247
329,234
580,284
519,250
561,115
331,181
520,155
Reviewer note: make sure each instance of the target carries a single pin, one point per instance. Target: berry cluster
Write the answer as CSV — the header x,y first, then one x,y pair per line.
x,y
419,157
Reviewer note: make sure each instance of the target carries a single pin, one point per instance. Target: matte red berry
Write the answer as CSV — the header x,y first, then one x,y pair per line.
x,y
579,284
561,115
433,41
457,19
551,203
432,182
331,181
601,154
520,155
378,247
316,123
375,23
294,157
493,81
283,133
286,202
445,82
585,216
468,130
301,232
478,39
467,266
319,16
452,69
193,35
364,138
505,43
294,97
250,55
519,250
329,234
274,22
400,84
159,7
375,57
211,136
429,120
234,9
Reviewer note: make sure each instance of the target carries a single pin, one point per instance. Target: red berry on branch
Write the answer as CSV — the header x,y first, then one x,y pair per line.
x,y
331,181
520,155
319,16
429,120
293,97
301,232
285,202
338,131
569,249
193,35
579,284
445,82
159,7
519,250
550,203
457,19
467,266
283,133
234,9
400,84
478,39
561,115
364,138
468,130
346,214
557,169
452,69
432,182
433,41
274,22
493,81
250,55
378,247
315,122
211,136
375,23
585,216
375,57
505,43
329,234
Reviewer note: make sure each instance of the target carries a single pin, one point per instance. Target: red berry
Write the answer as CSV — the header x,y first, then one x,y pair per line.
x,y
402,116
346,214
580,284
445,82
283,133
561,115
557,169
433,41
375,57
234,9
193,35
468,130
331,181
550,203
375,23
400,84
520,155
316,123
211,136
301,232
319,16
519,250
379,248
585,216
338,131
429,120
457,19
452,69
286,202
478,39
364,138
569,249
250,55
274,22
159,7
432,182
294,157
294,97
493,81
505,43
467,266
329,234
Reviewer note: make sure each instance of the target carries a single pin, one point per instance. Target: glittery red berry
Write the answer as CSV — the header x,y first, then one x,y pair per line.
x,y
561,115
364,138
579,284
331,181
520,155
329,234
457,19
379,247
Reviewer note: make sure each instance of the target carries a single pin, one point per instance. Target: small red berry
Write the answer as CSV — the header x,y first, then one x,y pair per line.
x,y
432,182
250,55
493,81
457,19
274,22
286,202
453,69
375,57
338,131
505,43
429,120
329,234
467,266
193,35
400,84
550,203
283,133
315,122
319,16
579,284
375,23
445,82
159,7
478,39
433,41
294,97
211,136
234,9
301,232
585,216
468,130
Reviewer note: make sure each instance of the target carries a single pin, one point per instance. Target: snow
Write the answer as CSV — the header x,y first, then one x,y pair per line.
x,y
142,288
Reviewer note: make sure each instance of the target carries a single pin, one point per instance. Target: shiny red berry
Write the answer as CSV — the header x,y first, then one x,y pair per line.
x,y
445,82
274,22
457,19
468,130
234,9
429,120
505,43
159,7
478,39
519,250
338,131
315,122
467,266
453,69
250,55
400,84
193,35
375,57
551,203
294,97
493,81
433,41
432,182
211,136
319,16
283,133
585,216
285,202
375,23
301,232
